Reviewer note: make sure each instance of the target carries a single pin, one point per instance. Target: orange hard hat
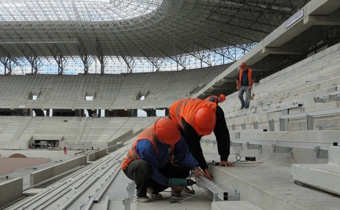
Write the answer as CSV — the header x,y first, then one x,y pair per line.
x,y
222,98
243,65
205,120
166,130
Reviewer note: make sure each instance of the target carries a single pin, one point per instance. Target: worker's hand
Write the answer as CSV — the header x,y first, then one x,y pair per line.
x,y
226,163
198,172
207,174
178,188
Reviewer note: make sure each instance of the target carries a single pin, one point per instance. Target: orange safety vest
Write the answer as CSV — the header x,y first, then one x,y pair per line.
x,y
185,108
250,76
148,134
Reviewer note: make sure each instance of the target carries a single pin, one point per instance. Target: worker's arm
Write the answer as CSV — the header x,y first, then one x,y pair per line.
x,y
222,137
238,83
193,141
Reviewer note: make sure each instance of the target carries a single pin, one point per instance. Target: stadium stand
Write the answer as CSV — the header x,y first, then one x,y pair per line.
x,y
285,147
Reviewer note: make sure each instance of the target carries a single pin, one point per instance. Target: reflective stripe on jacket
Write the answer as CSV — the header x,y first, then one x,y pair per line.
x,y
185,108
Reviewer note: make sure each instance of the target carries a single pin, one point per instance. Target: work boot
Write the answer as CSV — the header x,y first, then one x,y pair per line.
x,y
188,192
155,196
176,193
143,199
242,107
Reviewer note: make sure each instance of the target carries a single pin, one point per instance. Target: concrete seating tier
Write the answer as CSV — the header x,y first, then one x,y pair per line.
x,y
72,132
313,77
109,91
72,191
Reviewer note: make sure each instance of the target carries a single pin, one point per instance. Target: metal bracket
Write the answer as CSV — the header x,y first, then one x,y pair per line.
x,y
131,190
254,146
290,153
126,202
280,149
131,196
234,144
287,150
320,153
237,196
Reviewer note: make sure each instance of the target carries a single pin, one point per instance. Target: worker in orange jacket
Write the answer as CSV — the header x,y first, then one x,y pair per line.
x,y
244,83
196,118
149,161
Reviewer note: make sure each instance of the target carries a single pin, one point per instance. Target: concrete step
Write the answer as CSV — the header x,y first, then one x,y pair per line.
x,y
334,155
233,205
322,176
270,186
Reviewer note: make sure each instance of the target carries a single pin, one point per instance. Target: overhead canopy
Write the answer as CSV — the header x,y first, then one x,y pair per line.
x,y
136,28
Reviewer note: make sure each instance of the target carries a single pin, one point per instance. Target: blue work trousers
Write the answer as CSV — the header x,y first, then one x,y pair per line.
x,y
245,103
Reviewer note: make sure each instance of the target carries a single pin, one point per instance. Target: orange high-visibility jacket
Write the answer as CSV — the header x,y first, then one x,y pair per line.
x,y
185,108
250,76
148,134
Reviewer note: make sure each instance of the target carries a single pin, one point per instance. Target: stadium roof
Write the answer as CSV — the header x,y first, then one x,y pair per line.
x,y
136,28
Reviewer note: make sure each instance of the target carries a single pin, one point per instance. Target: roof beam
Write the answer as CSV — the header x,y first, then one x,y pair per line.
x,y
320,20
278,51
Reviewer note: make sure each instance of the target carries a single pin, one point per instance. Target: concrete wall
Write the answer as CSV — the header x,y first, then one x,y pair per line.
x,y
47,173
115,147
120,138
96,155
10,191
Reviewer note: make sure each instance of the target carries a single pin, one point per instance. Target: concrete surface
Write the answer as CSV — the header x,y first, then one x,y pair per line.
x,y
233,205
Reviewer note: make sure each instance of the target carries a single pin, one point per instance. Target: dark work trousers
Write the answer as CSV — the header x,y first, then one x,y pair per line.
x,y
140,171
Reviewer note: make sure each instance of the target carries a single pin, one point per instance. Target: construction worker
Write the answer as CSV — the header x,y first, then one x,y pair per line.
x,y
196,118
244,83
149,164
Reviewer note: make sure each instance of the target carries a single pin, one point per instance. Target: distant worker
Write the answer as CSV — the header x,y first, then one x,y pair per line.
x,y
244,83
65,151
149,164
196,118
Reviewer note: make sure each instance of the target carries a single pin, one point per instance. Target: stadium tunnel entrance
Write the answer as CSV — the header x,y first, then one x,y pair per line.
x,y
45,144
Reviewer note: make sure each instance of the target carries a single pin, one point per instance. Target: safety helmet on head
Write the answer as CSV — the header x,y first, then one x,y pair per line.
x,y
166,130
204,120
221,98
243,65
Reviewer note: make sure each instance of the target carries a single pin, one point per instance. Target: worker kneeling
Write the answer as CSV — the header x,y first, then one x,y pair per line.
x,y
148,162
